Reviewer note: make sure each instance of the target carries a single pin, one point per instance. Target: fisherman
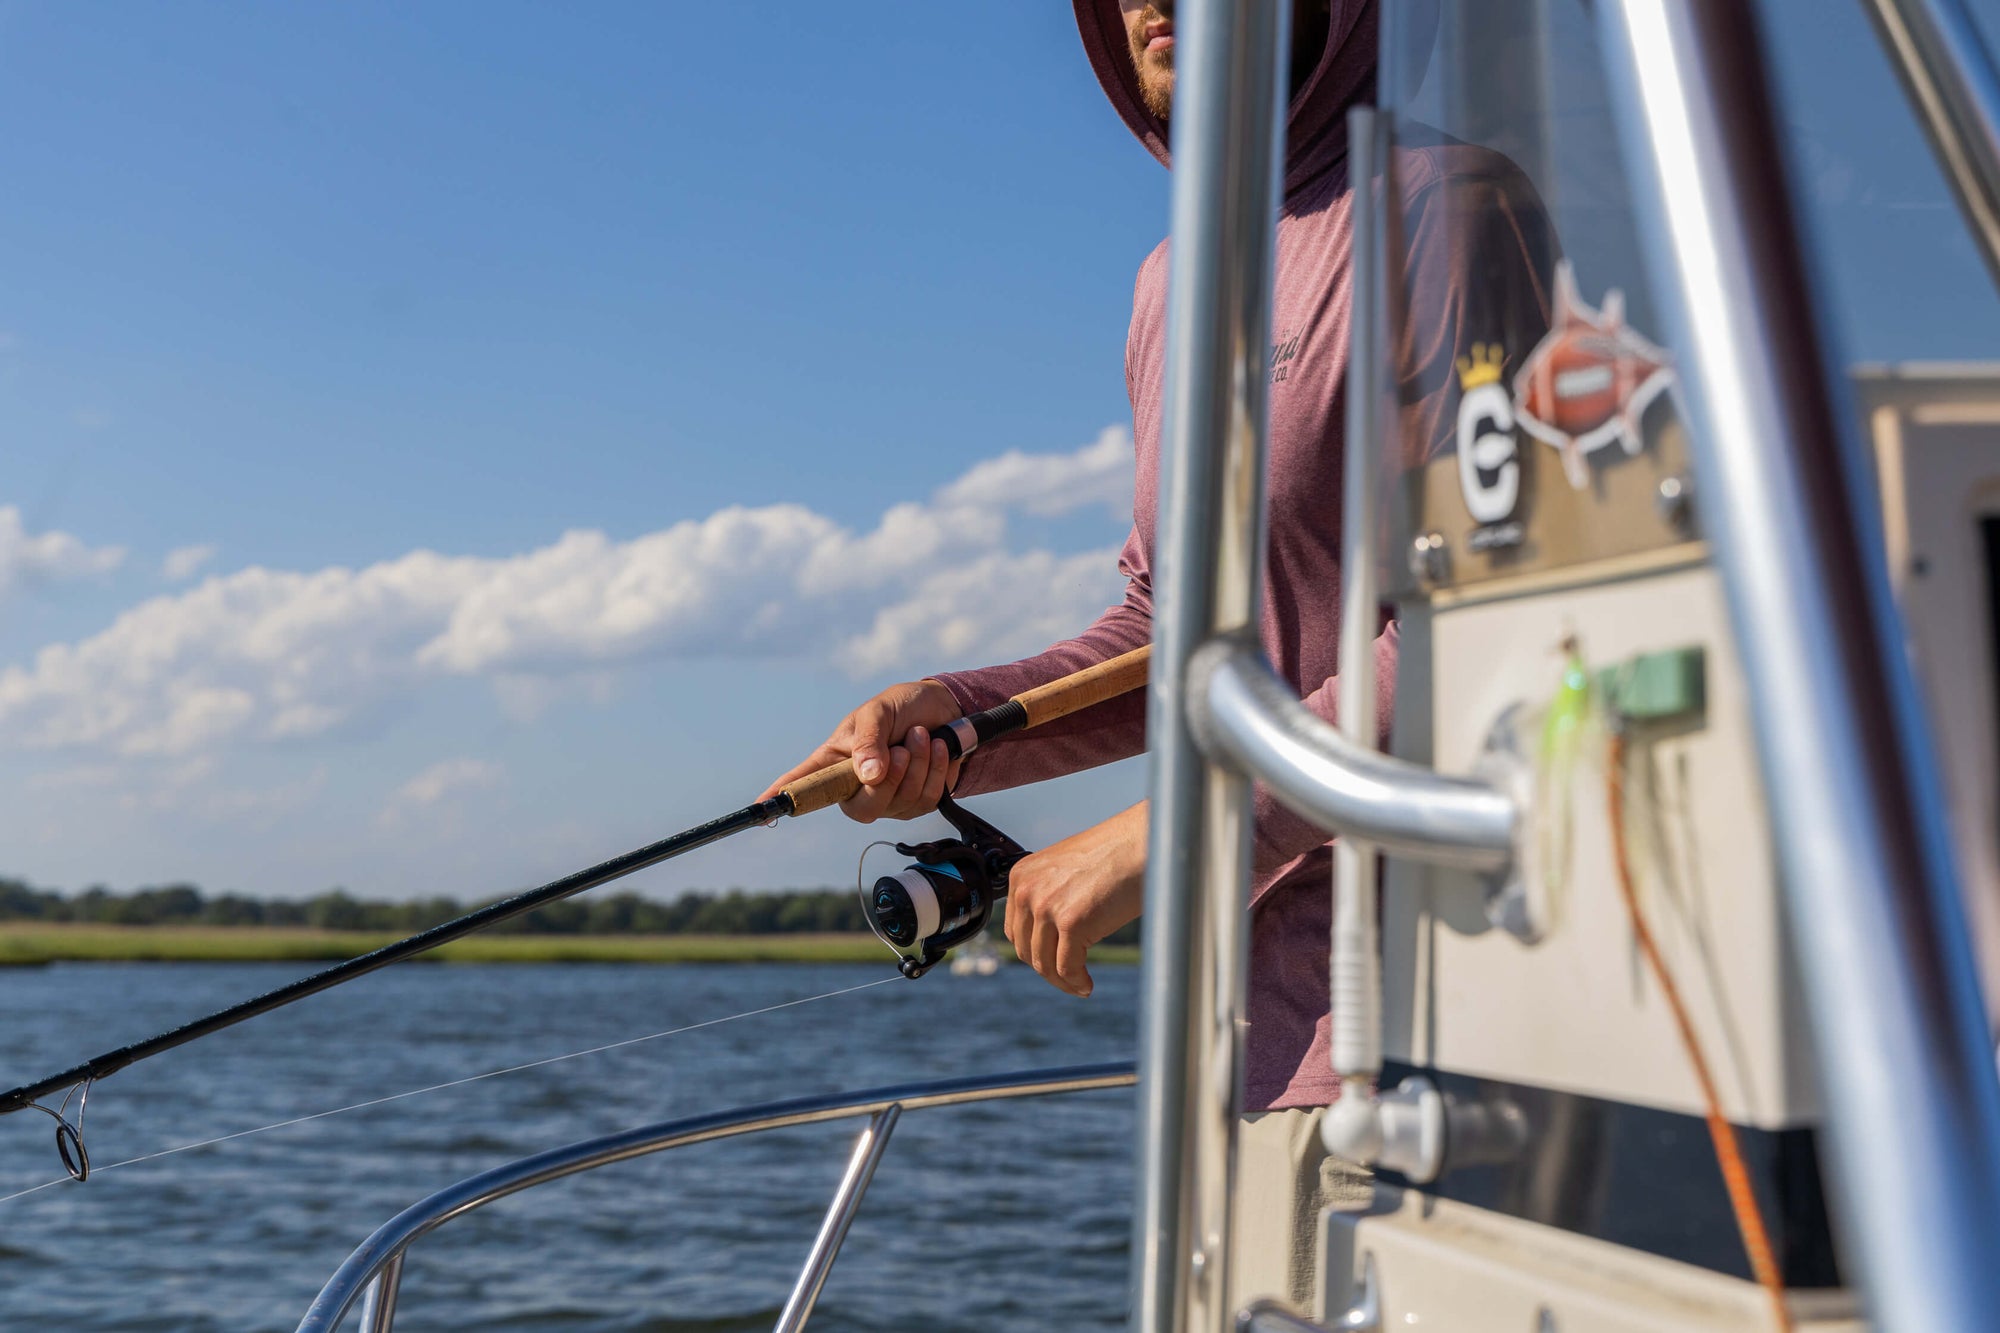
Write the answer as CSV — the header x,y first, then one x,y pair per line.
x,y
1478,256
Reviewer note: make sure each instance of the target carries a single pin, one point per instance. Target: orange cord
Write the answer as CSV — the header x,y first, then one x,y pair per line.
x,y
1728,1153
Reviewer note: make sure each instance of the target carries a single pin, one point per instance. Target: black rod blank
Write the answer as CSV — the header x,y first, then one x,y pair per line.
x,y
751,816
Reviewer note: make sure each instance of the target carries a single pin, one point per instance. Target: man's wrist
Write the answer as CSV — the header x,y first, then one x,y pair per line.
x,y
1134,828
932,685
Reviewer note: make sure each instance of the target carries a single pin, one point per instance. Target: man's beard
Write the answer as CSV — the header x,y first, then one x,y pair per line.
x,y
1309,39
1154,73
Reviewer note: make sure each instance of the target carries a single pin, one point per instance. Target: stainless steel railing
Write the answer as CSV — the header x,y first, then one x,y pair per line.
x,y
372,1274
868,1150
1229,107
1949,75
1214,717
1903,1056
1249,716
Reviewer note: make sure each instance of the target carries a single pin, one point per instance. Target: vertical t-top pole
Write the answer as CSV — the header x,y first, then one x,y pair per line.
x,y
1228,132
1905,1060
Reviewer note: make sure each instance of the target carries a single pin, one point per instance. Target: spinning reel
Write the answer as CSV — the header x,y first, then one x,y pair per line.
x,y
946,897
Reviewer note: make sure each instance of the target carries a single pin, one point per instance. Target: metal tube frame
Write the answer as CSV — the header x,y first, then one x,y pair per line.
x,y
376,1255
868,1150
1355,974
1228,132
1251,718
1948,72
1903,1056
378,1304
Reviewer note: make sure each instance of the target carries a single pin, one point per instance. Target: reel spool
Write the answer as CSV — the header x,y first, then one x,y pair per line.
x,y
946,896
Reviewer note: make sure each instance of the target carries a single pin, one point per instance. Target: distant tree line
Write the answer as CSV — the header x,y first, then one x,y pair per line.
x,y
736,912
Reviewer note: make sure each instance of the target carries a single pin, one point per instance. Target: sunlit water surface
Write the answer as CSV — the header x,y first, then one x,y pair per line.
x,y
1009,1216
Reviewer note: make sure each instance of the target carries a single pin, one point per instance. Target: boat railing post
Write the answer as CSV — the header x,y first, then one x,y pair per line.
x,y
1228,135
378,1303
868,1150
1903,1057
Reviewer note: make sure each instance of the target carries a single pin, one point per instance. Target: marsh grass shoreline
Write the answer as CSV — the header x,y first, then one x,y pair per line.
x,y
34,943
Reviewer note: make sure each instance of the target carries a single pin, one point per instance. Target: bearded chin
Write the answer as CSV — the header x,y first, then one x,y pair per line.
x,y
1155,74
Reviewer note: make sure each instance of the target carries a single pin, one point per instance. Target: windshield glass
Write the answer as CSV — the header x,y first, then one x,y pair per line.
x,y
1539,425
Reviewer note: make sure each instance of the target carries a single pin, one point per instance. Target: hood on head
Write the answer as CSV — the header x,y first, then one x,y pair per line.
x,y
1317,122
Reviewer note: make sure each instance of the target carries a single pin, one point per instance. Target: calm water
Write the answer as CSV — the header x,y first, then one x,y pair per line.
x,y
989,1217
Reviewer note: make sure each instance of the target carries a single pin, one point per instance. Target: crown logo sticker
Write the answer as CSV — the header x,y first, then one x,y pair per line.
x,y
1481,368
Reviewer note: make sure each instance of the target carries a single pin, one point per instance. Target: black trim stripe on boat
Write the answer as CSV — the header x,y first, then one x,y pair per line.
x,y
1643,1178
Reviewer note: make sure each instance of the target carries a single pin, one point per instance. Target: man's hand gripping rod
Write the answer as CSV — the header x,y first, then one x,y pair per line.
x,y
1025,711
829,786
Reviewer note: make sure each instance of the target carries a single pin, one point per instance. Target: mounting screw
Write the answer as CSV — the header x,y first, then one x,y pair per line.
x,y
1430,559
1675,503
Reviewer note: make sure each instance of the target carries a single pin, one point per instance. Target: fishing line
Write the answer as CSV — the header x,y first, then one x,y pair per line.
x,y
861,884
454,1083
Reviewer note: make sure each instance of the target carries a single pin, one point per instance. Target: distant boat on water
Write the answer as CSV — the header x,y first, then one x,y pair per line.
x,y
976,959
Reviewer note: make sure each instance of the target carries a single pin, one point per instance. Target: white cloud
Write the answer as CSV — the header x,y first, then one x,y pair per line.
x,y
260,653
47,557
1001,606
184,562
271,655
1051,484
447,776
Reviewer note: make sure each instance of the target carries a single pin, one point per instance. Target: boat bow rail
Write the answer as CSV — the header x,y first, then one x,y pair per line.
x,y
372,1274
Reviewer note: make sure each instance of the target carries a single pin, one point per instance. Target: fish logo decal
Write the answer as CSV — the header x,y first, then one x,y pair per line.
x,y
1589,382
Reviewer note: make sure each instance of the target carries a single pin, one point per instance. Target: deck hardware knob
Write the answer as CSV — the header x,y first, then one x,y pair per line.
x,y
1675,503
1430,559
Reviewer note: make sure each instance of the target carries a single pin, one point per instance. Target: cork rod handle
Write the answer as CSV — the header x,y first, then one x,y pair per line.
x,y
1092,685
830,786
1045,703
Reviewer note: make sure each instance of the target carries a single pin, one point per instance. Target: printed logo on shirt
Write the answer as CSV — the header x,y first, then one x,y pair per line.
x,y
1489,457
1283,352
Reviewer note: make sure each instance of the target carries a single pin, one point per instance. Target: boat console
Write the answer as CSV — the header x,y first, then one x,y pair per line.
x,y
1561,558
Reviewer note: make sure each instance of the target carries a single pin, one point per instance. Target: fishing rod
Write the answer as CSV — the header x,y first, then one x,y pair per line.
x,y
816,791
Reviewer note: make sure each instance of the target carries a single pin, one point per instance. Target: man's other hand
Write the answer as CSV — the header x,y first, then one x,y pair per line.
x,y
1065,898
903,768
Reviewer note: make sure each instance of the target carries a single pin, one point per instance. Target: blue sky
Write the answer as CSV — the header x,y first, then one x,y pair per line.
x,y
321,326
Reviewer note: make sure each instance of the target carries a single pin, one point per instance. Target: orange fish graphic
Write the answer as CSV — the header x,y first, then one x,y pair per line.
x,y
1590,380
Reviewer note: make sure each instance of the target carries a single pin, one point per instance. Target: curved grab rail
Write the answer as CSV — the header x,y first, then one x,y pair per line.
x,y
393,1237
1247,715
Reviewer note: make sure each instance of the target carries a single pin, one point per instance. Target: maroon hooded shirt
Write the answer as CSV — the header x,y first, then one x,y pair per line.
x,y
1478,251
